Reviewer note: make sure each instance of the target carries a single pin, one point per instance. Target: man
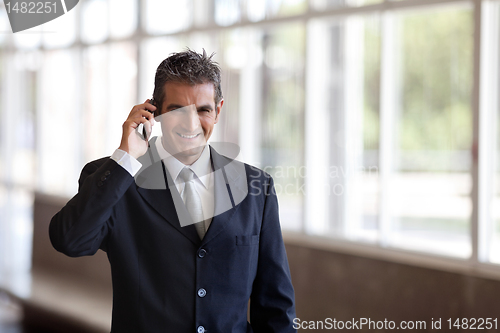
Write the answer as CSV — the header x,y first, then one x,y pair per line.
x,y
196,234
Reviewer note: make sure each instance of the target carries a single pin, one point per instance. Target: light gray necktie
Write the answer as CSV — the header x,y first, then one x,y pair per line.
x,y
192,200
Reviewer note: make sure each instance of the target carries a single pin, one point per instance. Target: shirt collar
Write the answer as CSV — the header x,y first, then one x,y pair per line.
x,y
201,167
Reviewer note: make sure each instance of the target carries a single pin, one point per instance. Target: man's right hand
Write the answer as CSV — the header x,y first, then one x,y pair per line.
x,y
133,143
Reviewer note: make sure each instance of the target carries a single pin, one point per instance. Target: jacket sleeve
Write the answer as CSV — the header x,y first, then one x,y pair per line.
x,y
272,302
82,225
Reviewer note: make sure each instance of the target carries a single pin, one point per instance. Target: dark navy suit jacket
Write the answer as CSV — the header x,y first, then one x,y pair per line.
x,y
165,279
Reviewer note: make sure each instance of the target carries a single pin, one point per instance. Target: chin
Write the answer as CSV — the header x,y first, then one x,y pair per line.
x,y
190,151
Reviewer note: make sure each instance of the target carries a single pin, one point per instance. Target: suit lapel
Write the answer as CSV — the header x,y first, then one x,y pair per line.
x,y
156,187
225,206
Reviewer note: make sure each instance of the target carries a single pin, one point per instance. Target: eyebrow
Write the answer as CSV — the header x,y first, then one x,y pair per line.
x,y
178,106
174,106
206,107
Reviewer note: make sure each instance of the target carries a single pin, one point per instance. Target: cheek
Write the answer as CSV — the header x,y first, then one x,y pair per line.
x,y
207,123
168,124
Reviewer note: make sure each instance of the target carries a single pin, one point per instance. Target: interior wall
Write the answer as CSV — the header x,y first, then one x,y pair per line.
x,y
343,287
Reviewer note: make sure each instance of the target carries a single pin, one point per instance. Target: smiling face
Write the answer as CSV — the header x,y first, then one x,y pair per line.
x,y
188,116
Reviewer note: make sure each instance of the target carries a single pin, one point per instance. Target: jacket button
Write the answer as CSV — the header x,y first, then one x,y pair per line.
x,y
100,184
202,292
107,173
200,329
202,253
103,178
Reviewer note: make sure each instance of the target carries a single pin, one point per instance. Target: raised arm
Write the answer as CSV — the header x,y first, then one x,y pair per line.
x,y
81,227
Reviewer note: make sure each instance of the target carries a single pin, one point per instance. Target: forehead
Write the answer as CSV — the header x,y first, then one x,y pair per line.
x,y
183,93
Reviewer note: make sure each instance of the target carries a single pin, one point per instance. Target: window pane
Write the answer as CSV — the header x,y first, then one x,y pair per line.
x,y
257,10
95,22
58,124
282,119
162,16
326,4
429,185
122,96
95,101
227,12
342,112
4,25
16,234
110,94
28,39
122,17
61,32
491,143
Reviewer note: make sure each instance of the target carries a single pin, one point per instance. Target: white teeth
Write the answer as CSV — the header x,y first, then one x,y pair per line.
x,y
188,136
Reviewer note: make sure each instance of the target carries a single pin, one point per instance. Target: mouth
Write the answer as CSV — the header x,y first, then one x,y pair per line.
x,y
184,136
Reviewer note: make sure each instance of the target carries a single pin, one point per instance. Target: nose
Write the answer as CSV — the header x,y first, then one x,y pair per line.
x,y
190,120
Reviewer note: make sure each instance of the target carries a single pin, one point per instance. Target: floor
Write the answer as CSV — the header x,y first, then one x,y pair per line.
x,y
11,317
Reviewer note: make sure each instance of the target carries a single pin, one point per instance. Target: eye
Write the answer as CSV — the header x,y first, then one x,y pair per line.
x,y
177,110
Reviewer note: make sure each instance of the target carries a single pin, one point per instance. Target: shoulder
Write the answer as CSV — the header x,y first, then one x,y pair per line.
x,y
223,158
96,164
105,163
252,180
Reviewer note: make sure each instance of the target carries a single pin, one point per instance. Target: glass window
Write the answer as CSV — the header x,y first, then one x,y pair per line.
x,y
15,239
327,4
227,12
162,16
282,117
489,136
342,127
122,95
94,21
28,39
59,125
260,9
110,93
389,104
4,25
61,32
256,10
286,7
96,102
428,136
122,17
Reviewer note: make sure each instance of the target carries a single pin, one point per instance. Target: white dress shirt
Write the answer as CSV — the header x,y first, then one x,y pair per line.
x,y
202,168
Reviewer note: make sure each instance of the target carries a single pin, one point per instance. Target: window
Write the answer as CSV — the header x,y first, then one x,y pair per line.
x,y
489,138
428,167
378,119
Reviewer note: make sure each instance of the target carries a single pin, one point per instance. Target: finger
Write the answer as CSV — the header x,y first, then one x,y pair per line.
x,y
145,106
136,120
149,106
141,113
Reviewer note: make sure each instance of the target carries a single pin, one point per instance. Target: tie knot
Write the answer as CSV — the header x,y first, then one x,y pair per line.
x,y
186,174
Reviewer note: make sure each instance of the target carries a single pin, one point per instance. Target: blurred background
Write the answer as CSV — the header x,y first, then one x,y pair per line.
x,y
378,120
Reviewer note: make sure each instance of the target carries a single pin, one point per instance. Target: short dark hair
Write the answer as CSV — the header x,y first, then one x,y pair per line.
x,y
187,67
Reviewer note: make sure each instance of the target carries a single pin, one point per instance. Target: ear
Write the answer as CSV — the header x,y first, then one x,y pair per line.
x,y
218,108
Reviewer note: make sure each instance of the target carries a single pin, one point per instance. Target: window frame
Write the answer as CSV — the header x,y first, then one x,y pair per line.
x,y
482,106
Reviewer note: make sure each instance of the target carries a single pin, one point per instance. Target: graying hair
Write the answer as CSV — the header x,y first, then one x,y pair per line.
x,y
187,67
